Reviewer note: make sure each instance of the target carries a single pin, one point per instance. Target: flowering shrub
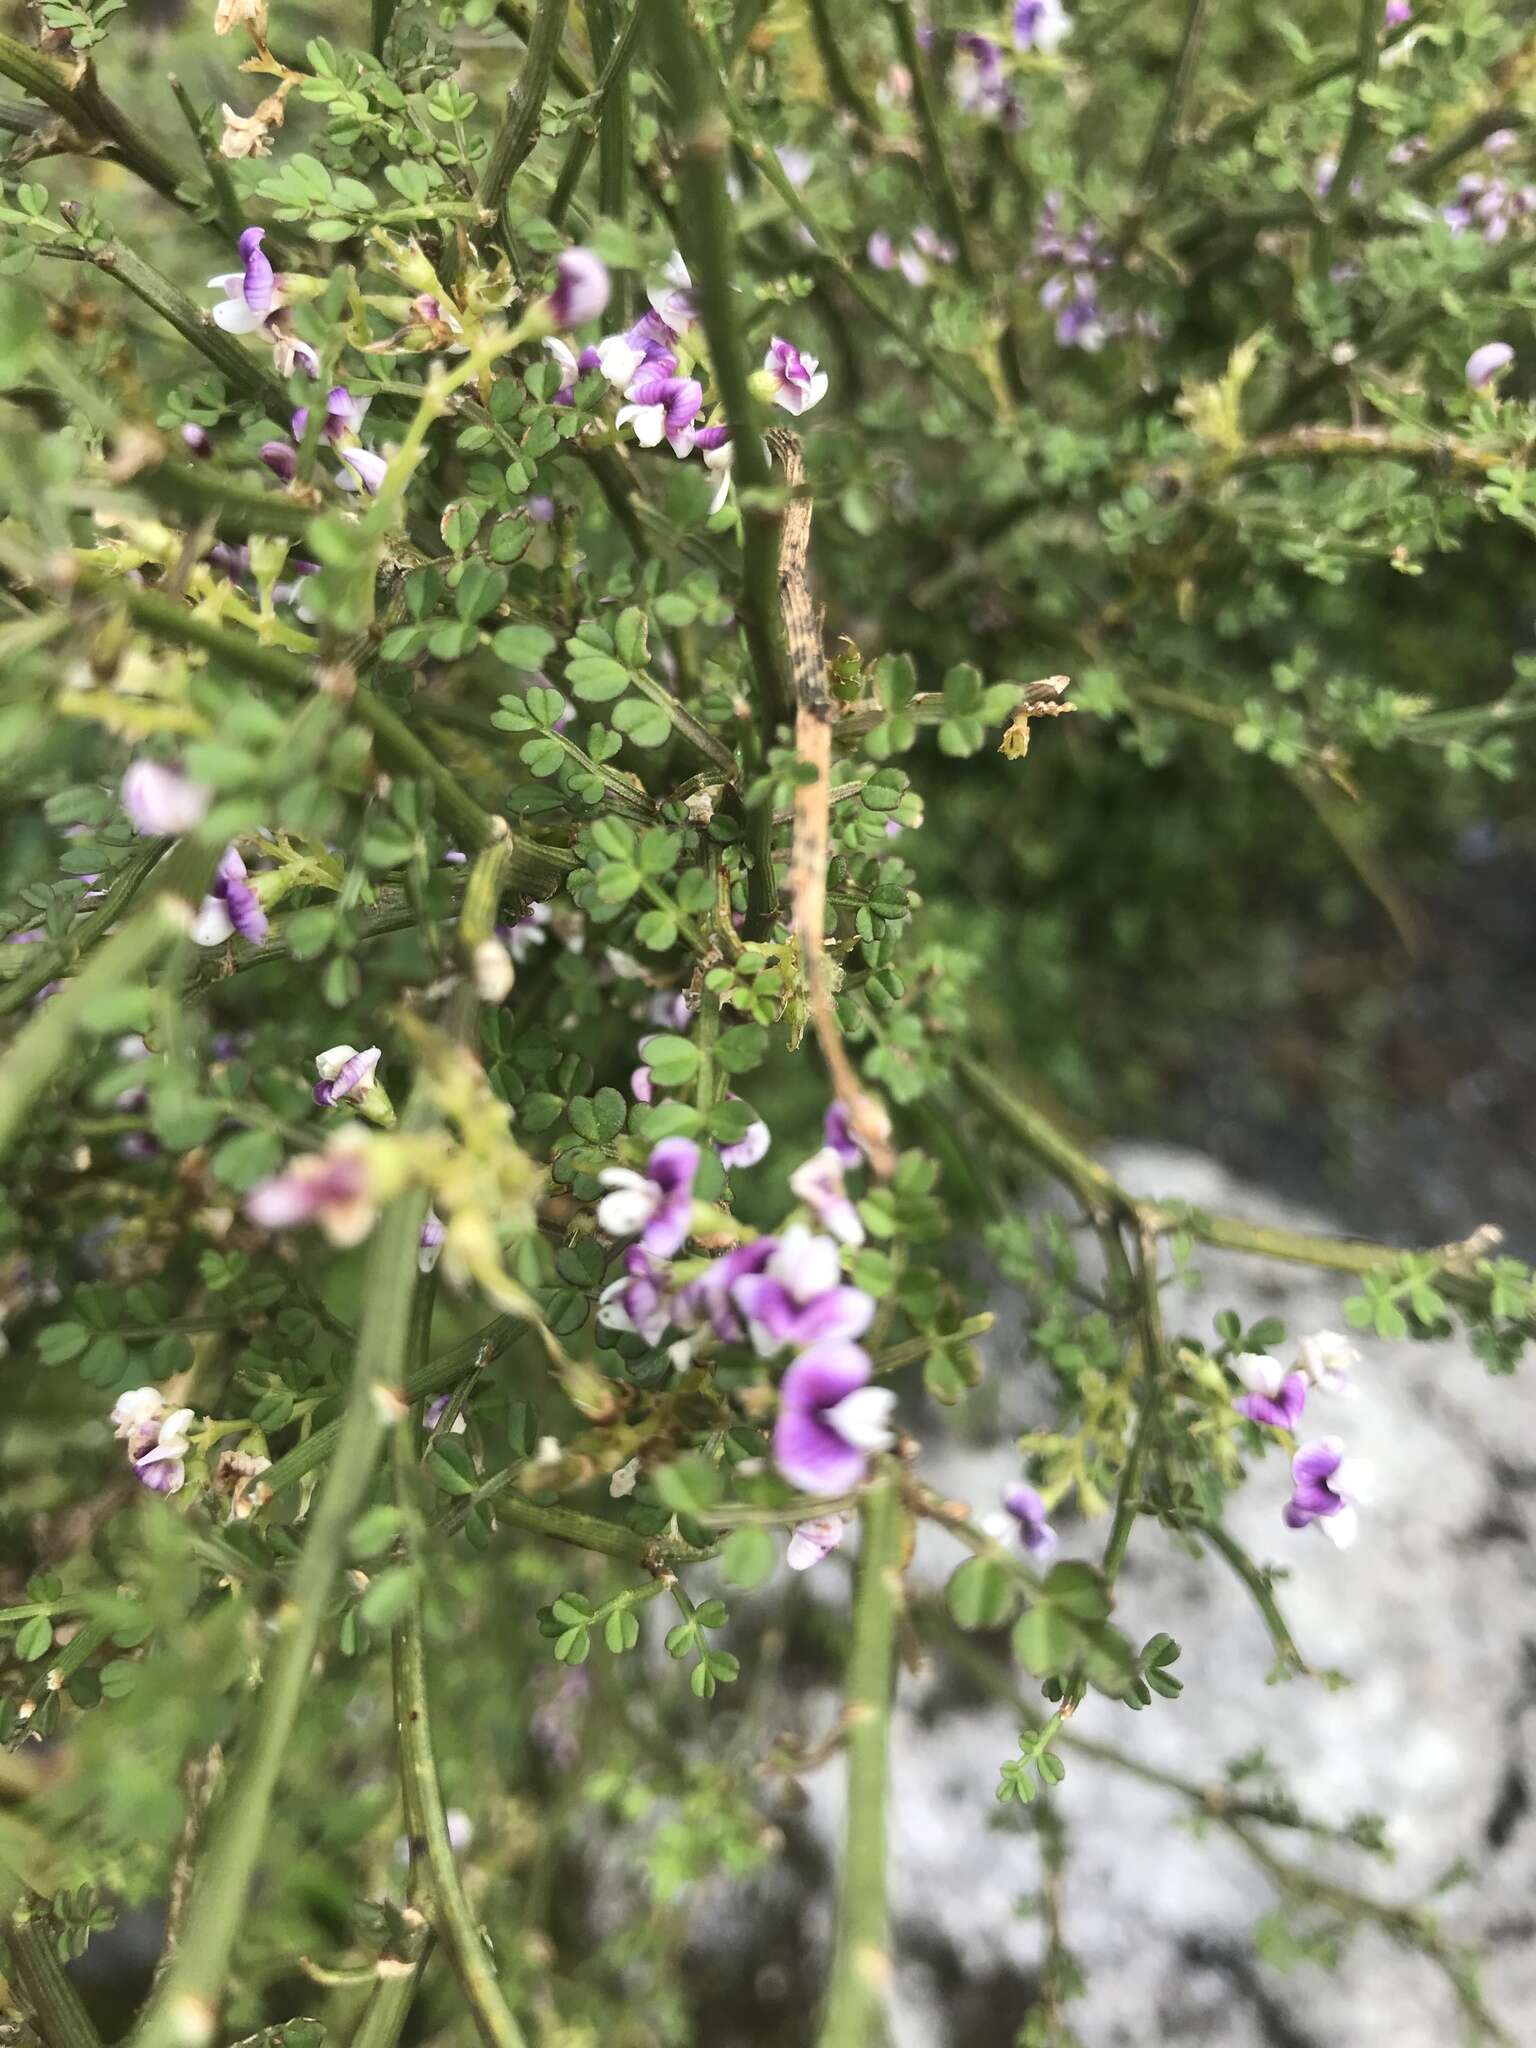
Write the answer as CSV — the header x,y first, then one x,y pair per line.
x,y
500,619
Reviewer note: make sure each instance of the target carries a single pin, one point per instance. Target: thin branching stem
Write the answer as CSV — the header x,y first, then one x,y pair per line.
x,y
861,1964
519,129
186,2005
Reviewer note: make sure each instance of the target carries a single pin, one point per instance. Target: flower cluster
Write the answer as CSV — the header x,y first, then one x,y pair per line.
x,y
778,1293
1487,204
1327,1486
652,365
914,257
156,1438
1075,264
339,429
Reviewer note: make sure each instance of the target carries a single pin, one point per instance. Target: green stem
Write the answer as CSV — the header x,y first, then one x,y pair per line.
x,y
381,19
237,507
519,18
1153,1348
1236,126
525,105
941,177
861,1966
707,223
1098,1191
59,960
185,2008
1367,56
420,1385
607,121
538,867
1393,336
60,2017
86,107
43,1047
684,722
226,202
1259,1585
1158,160
453,1920
195,324
840,81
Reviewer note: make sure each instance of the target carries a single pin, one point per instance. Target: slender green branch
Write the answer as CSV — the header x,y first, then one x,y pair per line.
x,y
421,1384
226,201
1393,336
683,721
1098,1190
1336,198
57,960
707,226
607,120
1238,125
237,507
195,324
43,1047
60,2017
1153,1349
381,19
518,16
185,2008
940,177
1158,160
861,1965
840,80
453,1919
532,865
525,104
1259,1585
88,110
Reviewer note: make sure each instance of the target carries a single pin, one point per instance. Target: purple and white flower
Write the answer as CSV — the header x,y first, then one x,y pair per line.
x,y
656,1205
1488,363
364,470
819,1184
810,1542
1397,12
230,906
1326,1360
344,1072
639,1300
429,1247
710,1297
331,1188
794,382
161,800
885,254
1275,1397
837,1135
1040,25
749,1148
196,440
250,293
718,452
798,1296
672,300
662,407
156,1438
831,1421
581,289
1327,1488
1028,1512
